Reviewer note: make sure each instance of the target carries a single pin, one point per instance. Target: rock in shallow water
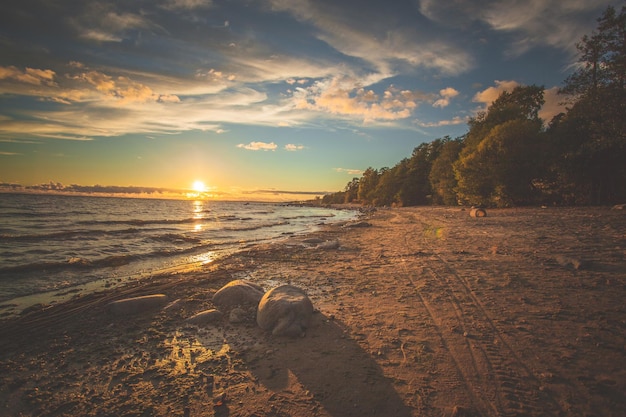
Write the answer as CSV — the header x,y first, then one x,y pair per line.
x,y
285,311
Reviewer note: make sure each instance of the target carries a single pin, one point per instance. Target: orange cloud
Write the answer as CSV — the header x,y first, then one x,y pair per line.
x,y
123,88
552,106
489,95
28,76
446,94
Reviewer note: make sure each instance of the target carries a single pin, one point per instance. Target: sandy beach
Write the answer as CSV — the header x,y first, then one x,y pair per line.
x,y
422,312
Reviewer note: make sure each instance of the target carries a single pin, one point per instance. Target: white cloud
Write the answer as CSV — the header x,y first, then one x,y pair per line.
x,y
349,171
452,122
258,146
343,96
292,147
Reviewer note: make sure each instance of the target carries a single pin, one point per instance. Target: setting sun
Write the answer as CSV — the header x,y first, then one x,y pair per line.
x,y
199,186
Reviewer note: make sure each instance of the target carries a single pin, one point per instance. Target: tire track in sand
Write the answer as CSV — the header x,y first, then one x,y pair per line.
x,y
497,380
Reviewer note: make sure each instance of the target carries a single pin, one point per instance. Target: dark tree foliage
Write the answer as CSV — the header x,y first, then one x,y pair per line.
x,y
591,138
507,157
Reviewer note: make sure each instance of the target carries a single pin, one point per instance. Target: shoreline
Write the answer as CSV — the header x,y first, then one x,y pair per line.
x,y
428,312
120,276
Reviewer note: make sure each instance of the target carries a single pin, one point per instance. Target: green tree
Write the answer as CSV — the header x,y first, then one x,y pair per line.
x,y
502,168
351,191
442,180
415,188
502,136
389,182
367,186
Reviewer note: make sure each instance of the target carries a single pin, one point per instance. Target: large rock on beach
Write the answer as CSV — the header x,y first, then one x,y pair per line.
x,y
285,311
136,305
239,292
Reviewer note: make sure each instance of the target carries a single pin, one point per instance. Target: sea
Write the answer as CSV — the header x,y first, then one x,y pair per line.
x,y
64,245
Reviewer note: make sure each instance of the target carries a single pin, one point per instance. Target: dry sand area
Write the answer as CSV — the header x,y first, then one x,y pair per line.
x,y
428,312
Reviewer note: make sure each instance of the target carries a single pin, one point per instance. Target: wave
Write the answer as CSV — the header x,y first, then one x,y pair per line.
x,y
175,238
137,222
65,235
308,216
45,214
256,227
79,263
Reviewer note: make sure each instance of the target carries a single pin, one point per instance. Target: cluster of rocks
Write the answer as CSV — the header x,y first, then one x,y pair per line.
x,y
284,311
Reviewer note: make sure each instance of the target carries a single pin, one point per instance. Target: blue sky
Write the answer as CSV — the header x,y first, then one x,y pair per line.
x,y
260,99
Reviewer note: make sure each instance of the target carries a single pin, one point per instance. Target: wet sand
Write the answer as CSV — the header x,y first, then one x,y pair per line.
x,y
428,312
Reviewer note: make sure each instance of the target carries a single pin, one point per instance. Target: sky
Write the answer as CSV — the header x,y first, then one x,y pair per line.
x,y
259,99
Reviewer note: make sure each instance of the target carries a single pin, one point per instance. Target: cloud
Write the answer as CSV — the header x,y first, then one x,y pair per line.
x,y
292,148
187,4
457,120
123,88
554,23
287,192
31,76
9,153
446,94
96,103
258,146
343,96
350,171
342,27
215,75
552,106
490,94
101,22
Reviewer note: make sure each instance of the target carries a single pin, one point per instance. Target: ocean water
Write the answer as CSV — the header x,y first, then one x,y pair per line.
x,y
51,243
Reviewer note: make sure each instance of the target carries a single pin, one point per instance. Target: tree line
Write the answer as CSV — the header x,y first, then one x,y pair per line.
x,y
510,157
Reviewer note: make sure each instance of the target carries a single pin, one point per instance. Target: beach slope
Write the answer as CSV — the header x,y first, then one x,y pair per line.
x,y
419,312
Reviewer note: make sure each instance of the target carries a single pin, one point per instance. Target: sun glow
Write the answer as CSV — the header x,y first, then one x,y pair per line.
x,y
198,186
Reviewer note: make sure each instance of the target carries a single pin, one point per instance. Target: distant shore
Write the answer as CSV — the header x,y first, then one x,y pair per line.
x,y
421,312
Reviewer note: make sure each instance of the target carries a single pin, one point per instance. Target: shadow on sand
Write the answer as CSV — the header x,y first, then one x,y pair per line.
x,y
331,369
